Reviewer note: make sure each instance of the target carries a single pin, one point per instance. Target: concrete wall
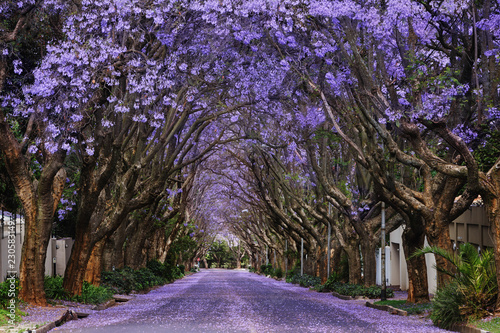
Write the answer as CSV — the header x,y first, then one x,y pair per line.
x,y
472,227
58,249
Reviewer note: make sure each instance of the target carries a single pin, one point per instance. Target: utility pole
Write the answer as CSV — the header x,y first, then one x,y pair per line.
x,y
328,250
382,256
286,257
301,256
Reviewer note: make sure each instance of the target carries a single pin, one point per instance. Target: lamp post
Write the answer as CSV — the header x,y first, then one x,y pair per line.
x,y
328,250
382,256
301,256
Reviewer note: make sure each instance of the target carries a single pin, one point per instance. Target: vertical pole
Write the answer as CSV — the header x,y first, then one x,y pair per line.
x,y
382,235
328,250
286,257
301,256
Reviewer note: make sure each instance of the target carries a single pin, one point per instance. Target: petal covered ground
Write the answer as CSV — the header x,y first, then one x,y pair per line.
x,y
238,301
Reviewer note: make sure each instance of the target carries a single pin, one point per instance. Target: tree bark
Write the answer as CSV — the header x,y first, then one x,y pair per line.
x,y
440,237
368,249
491,198
95,264
418,288
354,261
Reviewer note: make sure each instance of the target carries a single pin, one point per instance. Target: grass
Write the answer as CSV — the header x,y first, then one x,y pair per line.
x,y
489,324
410,308
4,319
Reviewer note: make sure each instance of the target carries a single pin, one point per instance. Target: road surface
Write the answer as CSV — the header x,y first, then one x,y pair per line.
x,y
219,300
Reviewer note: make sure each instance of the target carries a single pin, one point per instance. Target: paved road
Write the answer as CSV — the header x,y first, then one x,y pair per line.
x,y
238,301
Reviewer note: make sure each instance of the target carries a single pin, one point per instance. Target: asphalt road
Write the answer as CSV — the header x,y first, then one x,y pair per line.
x,y
238,301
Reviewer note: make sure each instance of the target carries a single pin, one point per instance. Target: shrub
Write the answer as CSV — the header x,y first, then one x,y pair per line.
x,y
120,280
278,272
126,279
354,290
304,280
5,290
266,269
182,268
172,272
53,286
93,295
156,267
333,278
472,292
446,306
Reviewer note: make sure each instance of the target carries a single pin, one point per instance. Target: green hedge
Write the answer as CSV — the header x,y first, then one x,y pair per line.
x,y
304,280
359,290
90,294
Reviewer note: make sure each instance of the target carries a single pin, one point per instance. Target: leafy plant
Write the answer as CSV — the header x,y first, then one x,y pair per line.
x,y
472,293
6,292
354,290
93,295
304,280
266,269
54,287
410,308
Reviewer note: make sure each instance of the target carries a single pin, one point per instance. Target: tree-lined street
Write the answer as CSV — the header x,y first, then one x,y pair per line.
x,y
218,300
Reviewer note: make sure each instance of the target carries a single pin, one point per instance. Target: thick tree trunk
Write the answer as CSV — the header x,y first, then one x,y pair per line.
x,y
418,289
75,270
492,203
94,266
368,249
113,253
32,265
135,253
441,238
354,261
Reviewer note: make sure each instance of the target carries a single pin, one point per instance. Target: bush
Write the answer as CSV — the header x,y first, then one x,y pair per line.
x,y
156,267
182,268
126,279
446,306
5,290
354,290
304,280
278,272
93,295
333,278
53,286
266,269
472,292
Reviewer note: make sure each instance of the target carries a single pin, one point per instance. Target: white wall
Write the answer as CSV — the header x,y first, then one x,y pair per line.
x,y
60,249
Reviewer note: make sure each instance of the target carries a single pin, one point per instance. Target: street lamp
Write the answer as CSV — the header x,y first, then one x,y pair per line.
x,y
382,256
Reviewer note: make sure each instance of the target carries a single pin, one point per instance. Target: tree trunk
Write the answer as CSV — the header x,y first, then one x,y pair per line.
x,y
354,261
113,252
135,254
442,239
492,203
32,265
94,266
368,249
75,270
418,289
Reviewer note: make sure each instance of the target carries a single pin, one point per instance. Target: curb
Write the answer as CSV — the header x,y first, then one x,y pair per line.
x,y
45,328
467,329
348,298
388,308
